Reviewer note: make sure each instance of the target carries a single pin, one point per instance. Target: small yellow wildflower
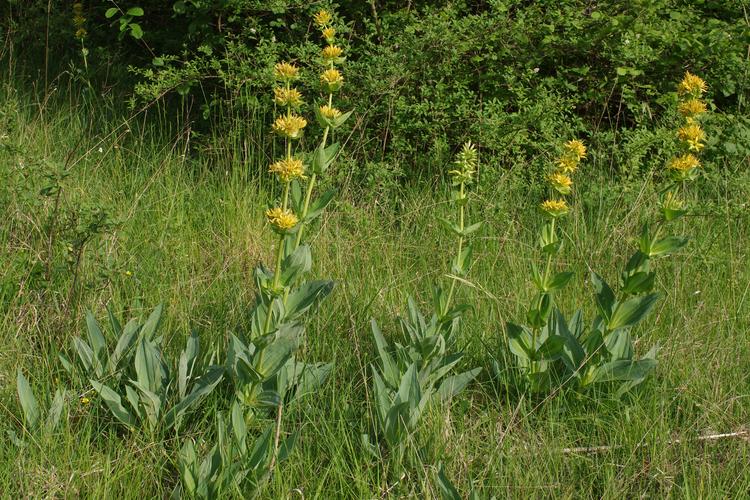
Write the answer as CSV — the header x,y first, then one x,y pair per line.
x,y
332,80
691,85
567,164
287,97
332,52
281,220
329,112
684,163
560,182
691,108
81,33
576,148
693,135
286,72
555,208
322,18
288,169
85,401
329,34
290,126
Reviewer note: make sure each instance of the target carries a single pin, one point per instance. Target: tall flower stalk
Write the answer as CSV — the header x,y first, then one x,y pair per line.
x,y
329,117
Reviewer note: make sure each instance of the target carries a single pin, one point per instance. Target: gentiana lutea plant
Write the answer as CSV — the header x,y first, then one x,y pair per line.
x,y
420,370
603,354
262,362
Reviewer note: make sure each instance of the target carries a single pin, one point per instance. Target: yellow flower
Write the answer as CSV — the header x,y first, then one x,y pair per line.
x,y
576,148
286,72
466,163
567,164
322,18
288,169
693,135
287,97
560,182
281,220
332,52
81,33
290,126
329,34
684,163
555,208
691,108
332,80
329,112
692,85
84,400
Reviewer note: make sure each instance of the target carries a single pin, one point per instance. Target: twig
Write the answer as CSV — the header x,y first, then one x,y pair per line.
x,y
276,439
706,437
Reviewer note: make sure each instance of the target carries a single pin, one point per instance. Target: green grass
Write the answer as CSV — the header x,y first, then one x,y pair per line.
x,y
189,235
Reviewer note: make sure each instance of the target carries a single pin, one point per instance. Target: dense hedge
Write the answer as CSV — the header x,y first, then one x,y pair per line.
x,y
425,75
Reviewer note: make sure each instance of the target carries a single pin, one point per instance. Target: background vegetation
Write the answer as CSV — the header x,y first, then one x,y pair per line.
x,y
137,176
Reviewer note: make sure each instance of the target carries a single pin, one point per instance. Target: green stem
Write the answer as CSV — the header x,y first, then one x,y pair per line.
x,y
461,215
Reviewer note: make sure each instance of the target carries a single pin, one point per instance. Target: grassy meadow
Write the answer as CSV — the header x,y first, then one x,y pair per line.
x,y
187,233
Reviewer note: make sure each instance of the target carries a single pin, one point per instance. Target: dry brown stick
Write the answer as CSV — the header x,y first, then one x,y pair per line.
x,y
706,437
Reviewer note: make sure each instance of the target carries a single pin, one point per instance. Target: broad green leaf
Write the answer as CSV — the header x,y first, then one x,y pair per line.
x,y
624,370
447,490
471,229
187,362
667,245
390,369
85,354
631,311
124,344
134,11
96,341
341,119
203,387
551,349
259,454
319,205
275,355
558,281
29,404
152,323
605,297
638,283
110,12
296,265
519,341
114,403
307,295
287,446
136,31
55,409
455,384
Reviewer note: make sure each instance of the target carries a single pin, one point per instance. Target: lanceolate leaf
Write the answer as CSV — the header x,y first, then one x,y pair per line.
x,y
114,403
29,404
631,311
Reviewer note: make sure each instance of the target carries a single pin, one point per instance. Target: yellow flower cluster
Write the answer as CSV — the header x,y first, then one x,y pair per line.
x,y
79,21
329,112
555,208
332,53
288,169
286,72
322,19
282,220
289,126
332,80
466,164
693,135
685,165
691,85
573,152
287,97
